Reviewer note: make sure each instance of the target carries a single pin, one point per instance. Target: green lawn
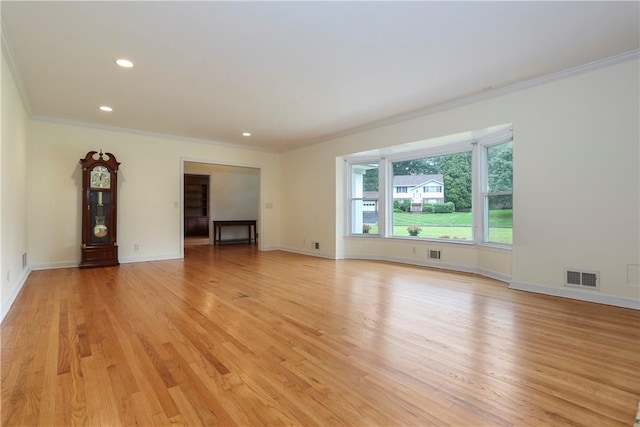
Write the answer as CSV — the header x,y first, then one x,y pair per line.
x,y
456,225
456,218
501,218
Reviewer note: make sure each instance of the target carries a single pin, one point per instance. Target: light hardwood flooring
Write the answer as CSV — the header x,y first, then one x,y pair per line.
x,y
233,336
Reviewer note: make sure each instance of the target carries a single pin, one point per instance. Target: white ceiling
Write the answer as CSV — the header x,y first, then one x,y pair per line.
x,y
292,73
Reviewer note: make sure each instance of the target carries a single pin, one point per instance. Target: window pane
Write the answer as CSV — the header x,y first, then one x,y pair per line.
x,y
435,201
364,214
500,160
499,207
500,219
364,188
364,181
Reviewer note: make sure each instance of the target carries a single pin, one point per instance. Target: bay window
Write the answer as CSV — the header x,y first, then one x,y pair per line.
x,y
457,188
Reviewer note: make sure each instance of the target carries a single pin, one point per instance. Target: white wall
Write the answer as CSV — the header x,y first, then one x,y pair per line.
x,y
577,135
13,205
234,194
149,180
309,192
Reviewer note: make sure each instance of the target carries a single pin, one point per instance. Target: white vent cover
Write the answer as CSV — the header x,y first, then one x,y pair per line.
x,y
582,279
433,254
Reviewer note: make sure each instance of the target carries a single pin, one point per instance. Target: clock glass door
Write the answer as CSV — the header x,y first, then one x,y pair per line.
x,y
100,205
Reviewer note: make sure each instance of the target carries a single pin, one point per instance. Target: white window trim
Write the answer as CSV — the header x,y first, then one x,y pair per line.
x,y
482,193
349,163
479,182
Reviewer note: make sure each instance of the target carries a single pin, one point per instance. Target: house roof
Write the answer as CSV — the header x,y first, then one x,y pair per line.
x,y
416,180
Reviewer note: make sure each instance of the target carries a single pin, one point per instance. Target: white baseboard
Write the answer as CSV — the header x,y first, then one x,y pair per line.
x,y
125,260
307,252
438,264
411,261
7,303
432,264
54,265
494,275
577,294
128,260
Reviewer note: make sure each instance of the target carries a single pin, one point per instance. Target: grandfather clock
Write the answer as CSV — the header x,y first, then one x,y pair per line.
x,y
99,208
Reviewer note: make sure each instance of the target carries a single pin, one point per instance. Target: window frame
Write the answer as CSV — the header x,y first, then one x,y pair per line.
x,y
350,198
483,189
479,184
439,151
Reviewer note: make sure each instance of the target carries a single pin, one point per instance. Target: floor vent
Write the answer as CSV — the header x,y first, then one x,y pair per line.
x,y
582,279
433,254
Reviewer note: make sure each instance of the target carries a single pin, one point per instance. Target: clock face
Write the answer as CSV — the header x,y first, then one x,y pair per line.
x,y
100,177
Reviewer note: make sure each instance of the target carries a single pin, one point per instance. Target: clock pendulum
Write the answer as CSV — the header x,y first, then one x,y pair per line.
x,y
100,229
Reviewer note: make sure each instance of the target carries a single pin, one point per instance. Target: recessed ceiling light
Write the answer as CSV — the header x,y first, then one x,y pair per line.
x,y
106,108
246,133
124,63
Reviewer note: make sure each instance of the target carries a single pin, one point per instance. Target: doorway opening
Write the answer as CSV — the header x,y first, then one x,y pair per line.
x,y
232,194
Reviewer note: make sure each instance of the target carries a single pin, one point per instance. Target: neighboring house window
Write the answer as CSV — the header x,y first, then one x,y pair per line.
x,y
498,193
433,189
364,185
402,189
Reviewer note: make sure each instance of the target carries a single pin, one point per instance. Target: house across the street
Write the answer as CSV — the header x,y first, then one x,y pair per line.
x,y
420,189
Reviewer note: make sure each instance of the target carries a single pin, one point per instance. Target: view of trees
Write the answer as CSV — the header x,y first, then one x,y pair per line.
x,y
456,171
370,180
500,167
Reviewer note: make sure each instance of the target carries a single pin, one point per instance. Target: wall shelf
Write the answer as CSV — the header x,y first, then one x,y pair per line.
x,y
196,205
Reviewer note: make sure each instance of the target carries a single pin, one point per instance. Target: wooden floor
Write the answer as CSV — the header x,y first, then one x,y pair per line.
x,y
232,336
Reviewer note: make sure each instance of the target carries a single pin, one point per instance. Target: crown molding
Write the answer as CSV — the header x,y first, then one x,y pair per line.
x,y
99,126
7,53
485,94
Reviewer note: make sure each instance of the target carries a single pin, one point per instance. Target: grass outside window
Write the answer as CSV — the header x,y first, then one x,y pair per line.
x,y
455,226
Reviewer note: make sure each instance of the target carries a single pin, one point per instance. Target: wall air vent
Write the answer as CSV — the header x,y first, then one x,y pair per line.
x,y
582,279
433,254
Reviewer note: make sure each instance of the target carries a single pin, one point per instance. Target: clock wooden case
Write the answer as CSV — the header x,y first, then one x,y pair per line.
x,y
99,209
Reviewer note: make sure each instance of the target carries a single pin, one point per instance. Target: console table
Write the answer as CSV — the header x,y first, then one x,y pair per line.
x,y
218,225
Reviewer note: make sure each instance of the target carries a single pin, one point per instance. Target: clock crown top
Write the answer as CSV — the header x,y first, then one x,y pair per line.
x,y
94,158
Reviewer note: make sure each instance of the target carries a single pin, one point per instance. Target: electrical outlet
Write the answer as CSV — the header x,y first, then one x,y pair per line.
x,y
413,250
8,276
316,245
136,247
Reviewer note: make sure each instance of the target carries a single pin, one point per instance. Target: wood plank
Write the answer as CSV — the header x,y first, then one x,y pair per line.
x,y
234,336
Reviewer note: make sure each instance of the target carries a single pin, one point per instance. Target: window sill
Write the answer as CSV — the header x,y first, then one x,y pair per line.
x,y
427,240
